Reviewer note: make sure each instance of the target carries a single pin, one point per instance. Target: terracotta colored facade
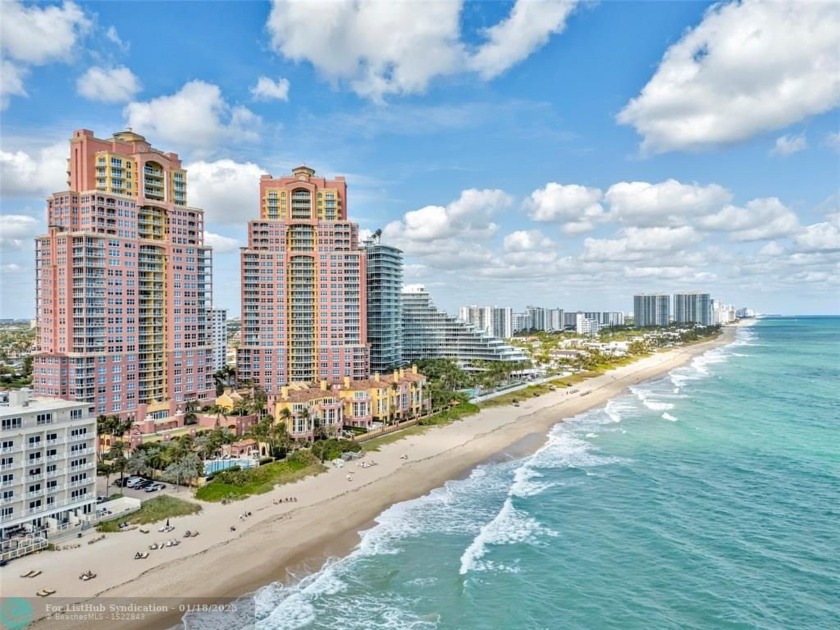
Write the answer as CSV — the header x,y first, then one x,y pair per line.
x,y
381,398
303,287
123,282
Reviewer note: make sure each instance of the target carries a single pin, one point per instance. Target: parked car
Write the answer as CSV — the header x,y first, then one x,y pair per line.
x,y
154,487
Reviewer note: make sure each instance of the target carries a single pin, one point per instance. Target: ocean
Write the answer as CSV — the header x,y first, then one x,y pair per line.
x,y
707,499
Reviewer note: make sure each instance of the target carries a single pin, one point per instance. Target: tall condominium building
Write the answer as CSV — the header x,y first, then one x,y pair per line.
x,y
430,333
521,321
693,308
555,319
539,317
495,321
384,305
48,462
501,325
123,281
304,309
612,318
217,329
652,310
586,325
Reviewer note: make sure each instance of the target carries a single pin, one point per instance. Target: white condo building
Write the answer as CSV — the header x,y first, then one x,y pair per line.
x,y
431,333
47,463
217,327
495,321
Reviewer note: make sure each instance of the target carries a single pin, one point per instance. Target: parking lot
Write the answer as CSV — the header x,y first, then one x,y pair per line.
x,y
130,492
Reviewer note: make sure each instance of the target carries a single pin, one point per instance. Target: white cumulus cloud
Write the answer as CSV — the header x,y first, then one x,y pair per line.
x,y
109,85
220,244
759,219
34,173
380,47
748,67
11,82
789,144
33,36
818,237
41,34
228,191
526,241
577,207
528,27
668,203
196,117
17,231
267,89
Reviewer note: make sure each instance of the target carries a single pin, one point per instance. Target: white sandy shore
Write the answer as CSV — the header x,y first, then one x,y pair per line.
x,y
329,512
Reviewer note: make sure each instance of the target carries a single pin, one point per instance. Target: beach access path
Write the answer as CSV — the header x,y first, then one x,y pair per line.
x,y
324,521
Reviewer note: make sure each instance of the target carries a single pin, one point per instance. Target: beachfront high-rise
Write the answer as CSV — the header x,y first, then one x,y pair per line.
x,y
432,333
123,281
217,329
384,305
693,308
652,309
304,311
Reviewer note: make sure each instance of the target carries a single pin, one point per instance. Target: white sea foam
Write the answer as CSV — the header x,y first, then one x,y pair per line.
x,y
510,526
646,396
668,416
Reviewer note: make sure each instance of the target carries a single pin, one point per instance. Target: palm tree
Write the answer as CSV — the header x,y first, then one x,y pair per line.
x,y
104,426
303,414
137,463
190,417
118,459
259,400
105,469
279,438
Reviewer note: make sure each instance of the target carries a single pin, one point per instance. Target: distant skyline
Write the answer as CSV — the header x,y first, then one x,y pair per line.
x,y
560,154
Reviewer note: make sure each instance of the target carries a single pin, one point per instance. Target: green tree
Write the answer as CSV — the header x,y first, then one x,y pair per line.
x,y
105,469
190,416
137,463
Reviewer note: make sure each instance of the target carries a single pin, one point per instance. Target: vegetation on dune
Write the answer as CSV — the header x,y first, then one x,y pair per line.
x,y
237,483
153,511
333,448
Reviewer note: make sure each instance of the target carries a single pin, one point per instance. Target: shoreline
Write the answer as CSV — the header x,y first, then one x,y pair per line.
x,y
284,541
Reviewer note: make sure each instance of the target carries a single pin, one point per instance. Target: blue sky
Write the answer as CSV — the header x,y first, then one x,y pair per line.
x,y
563,154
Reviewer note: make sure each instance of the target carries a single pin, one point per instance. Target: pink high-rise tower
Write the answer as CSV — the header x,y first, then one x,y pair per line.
x,y
123,282
303,286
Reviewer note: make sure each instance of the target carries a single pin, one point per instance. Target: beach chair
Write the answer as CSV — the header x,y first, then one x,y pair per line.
x,y
45,592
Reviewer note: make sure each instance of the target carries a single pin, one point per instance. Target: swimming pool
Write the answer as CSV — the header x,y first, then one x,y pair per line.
x,y
213,466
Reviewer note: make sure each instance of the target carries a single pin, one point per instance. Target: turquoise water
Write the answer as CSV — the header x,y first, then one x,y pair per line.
x,y
708,499
212,466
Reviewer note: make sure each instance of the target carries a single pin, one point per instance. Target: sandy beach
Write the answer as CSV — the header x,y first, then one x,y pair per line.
x,y
281,536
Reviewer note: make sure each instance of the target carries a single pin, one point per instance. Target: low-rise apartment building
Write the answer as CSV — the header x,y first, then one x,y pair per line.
x,y
381,398
47,463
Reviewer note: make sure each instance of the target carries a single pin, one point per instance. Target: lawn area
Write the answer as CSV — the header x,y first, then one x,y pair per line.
x,y
237,484
374,444
461,410
542,388
154,510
